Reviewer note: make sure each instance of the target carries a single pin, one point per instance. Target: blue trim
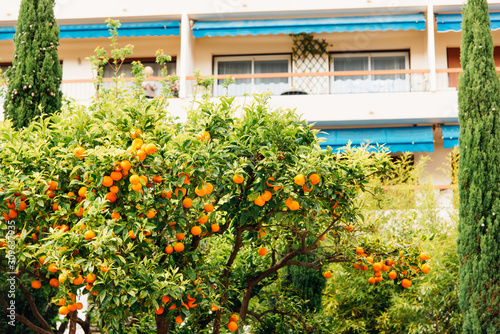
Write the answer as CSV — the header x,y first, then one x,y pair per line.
x,y
312,25
450,135
127,29
400,139
453,22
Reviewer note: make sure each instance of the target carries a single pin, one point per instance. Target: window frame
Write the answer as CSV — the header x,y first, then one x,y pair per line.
x,y
370,55
252,58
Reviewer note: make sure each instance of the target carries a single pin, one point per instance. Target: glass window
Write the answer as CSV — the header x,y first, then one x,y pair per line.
x,y
374,61
253,65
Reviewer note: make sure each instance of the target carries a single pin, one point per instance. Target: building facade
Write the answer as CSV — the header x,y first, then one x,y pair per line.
x,y
383,71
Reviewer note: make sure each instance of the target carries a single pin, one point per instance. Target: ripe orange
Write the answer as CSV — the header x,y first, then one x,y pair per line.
x,y
215,228
183,191
131,234
238,178
53,268
389,262
371,280
259,201
299,179
125,164
169,249
294,206
141,154
54,282
234,317
137,143
203,219
426,268
314,178
52,185
78,280
103,268
166,194
369,259
12,214
262,251
82,192
349,228
180,236
208,188
327,274
63,310
114,189
200,191
393,275
72,307
172,307
195,230
107,181
150,148
111,197
203,136
116,176
159,310
406,283
178,319
36,284
135,179
266,196
89,235
377,266
187,202
208,207
359,250
232,326
269,179
379,279
50,194
179,247
137,186
79,306
91,277
165,299
115,215
424,256
151,214
157,179
55,207
79,152
377,274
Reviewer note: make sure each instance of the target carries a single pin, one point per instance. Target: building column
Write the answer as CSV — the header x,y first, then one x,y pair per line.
x,y
431,49
186,55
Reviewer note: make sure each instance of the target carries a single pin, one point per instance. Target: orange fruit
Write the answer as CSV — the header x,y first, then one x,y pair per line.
x,y
52,185
165,299
22,206
208,208
369,259
424,256
359,250
55,207
89,235
178,319
50,194
379,278
137,186
78,280
107,181
232,326
36,284
180,236
327,274
238,178
157,179
305,189
183,191
82,192
299,179
377,274
377,266
12,214
72,307
314,178
115,215
169,249
266,196
79,152
166,194
234,317
111,197
262,251
203,219
385,268
269,179
208,188
215,228
137,143
187,202
389,262
114,189
294,206
54,282
200,191
103,268
259,201
125,164
349,228
406,283
172,307
393,275
131,234
151,214
150,148
53,268
135,179
63,310
90,278
203,136
116,176
426,268
179,247
79,306
371,280
141,154
195,230
159,310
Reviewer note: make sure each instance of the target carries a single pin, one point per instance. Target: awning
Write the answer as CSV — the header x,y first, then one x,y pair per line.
x,y
400,139
310,25
450,135
127,29
453,22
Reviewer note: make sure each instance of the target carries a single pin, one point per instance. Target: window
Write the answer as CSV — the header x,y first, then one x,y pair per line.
x,y
370,62
453,55
253,65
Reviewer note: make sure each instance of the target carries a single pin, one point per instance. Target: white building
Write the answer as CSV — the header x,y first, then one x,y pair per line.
x,y
388,72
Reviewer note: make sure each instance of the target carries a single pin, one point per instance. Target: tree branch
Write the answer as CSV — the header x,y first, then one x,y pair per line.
x,y
23,319
33,307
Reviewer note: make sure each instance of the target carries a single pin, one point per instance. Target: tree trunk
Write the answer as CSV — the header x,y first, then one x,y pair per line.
x,y
162,326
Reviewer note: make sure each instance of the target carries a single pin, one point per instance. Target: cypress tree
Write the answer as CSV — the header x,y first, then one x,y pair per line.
x,y
35,76
479,174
